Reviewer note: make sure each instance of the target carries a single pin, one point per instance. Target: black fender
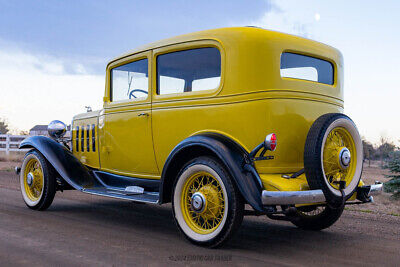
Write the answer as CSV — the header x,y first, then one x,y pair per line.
x,y
231,154
63,161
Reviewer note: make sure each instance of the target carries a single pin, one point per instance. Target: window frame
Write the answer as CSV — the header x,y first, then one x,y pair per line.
x,y
181,47
123,61
302,53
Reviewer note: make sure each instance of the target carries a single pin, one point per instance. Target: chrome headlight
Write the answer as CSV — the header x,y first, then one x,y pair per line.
x,y
57,129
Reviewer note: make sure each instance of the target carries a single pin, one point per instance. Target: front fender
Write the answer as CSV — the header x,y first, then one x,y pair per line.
x,y
63,161
228,152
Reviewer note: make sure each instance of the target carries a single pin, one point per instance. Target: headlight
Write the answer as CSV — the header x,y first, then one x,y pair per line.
x,y
57,129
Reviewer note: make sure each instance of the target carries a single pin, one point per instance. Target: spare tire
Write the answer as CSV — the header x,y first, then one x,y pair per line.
x,y
333,156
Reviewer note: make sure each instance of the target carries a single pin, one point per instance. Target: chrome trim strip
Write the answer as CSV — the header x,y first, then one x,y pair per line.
x,y
292,197
123,196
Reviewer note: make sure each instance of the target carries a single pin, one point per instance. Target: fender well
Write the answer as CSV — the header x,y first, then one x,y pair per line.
x,y
224,149
63,161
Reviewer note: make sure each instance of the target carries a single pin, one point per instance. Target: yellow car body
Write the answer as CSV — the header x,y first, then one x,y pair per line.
x,y
251,101
211,121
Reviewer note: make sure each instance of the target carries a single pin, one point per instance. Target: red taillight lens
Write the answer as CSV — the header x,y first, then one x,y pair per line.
x,y
270,142
273,142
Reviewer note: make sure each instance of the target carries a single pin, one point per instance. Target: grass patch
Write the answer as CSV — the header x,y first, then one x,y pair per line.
x,y
370,211
365,211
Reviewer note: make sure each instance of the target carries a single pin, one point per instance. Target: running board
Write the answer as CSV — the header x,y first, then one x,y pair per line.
x,y
145,197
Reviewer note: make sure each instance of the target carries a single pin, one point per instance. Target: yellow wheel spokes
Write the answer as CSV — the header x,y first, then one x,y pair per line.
x,y
34,187
337,140
210,216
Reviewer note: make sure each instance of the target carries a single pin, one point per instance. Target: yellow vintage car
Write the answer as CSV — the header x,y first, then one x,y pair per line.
x,y
211,121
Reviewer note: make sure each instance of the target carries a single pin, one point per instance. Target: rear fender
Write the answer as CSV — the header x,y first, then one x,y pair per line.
x,y
63,161
228,152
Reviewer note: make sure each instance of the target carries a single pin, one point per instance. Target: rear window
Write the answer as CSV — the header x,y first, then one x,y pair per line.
x,y
308,68
188,70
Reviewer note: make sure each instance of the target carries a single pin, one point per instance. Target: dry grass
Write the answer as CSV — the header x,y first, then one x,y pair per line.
x,y
384,203
12,157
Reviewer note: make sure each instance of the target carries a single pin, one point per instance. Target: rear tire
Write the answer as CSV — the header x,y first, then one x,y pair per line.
x,y
37,181
206,204
312,218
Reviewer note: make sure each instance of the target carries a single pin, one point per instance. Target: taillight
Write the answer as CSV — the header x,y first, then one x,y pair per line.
x,y
270,142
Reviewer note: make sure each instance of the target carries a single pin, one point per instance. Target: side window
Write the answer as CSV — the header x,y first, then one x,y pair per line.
x,y
130,81
188,70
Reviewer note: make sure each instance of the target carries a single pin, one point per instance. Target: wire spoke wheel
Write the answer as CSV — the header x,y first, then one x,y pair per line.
x,y
333,157
207,205
37,181
338,140
311,212
208,217
33,179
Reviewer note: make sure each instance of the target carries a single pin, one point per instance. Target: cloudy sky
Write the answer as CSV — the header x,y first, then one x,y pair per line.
x,y
53,53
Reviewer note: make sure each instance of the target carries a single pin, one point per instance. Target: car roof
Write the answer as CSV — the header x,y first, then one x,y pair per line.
x,y
219,34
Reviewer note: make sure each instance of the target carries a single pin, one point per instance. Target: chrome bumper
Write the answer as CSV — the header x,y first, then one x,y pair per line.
x,y
310,196
292,197
375,189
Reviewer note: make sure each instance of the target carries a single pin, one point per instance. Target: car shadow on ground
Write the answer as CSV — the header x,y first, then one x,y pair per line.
x,y
256,234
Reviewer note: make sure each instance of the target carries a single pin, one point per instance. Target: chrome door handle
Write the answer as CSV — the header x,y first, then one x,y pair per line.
x,y
143,114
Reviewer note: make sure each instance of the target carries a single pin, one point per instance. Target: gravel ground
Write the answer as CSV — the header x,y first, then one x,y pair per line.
x,y
81,229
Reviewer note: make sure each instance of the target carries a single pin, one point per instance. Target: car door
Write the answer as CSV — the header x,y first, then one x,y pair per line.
x,y
128,148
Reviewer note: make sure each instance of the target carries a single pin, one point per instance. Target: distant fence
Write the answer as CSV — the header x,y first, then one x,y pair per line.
x,y
9,143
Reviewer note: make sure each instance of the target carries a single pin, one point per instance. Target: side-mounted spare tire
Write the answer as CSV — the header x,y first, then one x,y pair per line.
x,y
333,156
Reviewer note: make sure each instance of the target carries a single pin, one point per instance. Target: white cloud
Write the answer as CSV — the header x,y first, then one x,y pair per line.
x,y
37,89
280,18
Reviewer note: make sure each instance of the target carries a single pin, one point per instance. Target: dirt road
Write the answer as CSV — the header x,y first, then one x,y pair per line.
x,y
86,230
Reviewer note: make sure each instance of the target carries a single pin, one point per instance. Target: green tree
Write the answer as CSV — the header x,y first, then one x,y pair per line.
x,y
3,126
393,185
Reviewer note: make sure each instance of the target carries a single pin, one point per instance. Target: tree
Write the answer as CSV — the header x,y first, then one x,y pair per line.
x,y
3,126
369,150
385,149
393,185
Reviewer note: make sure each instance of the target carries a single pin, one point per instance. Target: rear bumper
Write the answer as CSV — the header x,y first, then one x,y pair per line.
x,y
292,197
375,189
364,194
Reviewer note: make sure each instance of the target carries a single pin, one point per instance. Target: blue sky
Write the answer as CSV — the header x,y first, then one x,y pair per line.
x,y
53,51
100,30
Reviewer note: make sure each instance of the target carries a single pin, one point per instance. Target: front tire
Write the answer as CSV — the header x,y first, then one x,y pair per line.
x,y
37,181
206,204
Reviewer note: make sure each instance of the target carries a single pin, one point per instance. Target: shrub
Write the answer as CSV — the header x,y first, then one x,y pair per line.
x,y
393,185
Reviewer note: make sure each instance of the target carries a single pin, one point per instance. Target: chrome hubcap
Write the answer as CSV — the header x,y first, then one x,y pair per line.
x,y
198,202
344,157
29,179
